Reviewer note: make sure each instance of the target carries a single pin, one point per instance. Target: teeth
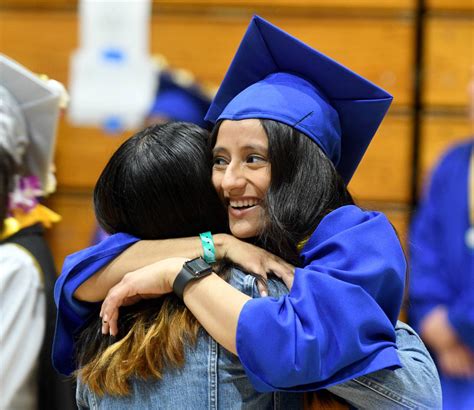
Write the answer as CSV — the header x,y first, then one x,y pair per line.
x,y
243,203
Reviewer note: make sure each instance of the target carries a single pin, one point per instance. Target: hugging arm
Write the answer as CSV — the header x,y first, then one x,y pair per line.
x,y
88,275
146,252
138,255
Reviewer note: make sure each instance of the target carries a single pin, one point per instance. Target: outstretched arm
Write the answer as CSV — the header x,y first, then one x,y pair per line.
x,y
146,252
219,316
138,255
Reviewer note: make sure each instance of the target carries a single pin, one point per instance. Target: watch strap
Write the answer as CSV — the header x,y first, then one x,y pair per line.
x,y
184,277
192,270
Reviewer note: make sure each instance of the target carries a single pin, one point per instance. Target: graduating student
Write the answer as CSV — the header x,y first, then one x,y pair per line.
x,y
29,112
442,273
291,127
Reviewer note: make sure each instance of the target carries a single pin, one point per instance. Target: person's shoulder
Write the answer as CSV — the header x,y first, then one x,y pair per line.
x,y
350,215
449,166
15,256
460,151
351,232
18,263
349,218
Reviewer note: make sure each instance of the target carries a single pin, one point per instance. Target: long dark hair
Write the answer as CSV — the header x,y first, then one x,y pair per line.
x,y
304,187
156,185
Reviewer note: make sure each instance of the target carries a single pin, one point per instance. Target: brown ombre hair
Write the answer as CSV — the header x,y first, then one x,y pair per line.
x,y
152,336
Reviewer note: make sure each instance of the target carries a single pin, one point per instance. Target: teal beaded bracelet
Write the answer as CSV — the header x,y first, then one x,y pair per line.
x,y
208,247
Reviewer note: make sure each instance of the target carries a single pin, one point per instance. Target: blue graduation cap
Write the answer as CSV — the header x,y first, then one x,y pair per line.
x,y
275,76
180,99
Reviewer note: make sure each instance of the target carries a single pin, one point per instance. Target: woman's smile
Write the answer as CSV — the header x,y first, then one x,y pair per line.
x,y
239,208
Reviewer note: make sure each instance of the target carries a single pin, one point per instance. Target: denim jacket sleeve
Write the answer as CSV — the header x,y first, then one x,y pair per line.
x,y
414,386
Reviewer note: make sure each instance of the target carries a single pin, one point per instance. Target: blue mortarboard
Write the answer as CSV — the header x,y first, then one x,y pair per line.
x,y
275,76
180,100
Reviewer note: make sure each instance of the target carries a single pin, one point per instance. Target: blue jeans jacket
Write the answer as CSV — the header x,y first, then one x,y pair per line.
x,y
213,378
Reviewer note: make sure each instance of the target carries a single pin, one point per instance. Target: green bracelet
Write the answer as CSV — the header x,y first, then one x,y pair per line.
x,y
208,247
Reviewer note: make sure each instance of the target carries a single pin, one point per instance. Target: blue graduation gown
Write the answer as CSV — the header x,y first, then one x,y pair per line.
x,y
337,323
442,266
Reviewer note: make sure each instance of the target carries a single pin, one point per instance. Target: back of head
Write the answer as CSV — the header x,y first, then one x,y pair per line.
x,y
158,185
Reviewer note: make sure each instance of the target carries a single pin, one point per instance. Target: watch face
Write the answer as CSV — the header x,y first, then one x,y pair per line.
x,y
198,266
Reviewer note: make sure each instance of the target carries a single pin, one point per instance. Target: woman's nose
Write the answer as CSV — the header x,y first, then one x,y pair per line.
x,y
233,178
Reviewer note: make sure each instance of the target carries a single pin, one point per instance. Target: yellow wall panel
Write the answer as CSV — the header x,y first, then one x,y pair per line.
x,y
448,58
361,44
295,4
206,44
450,4
438,134
41,41
400,219
81,154
385,171
76,229
344,4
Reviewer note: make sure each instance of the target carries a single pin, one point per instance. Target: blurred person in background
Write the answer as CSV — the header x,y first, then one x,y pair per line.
x,y
29,112
179,98
442,270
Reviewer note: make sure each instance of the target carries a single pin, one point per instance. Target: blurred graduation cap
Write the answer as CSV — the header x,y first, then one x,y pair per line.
x,y
39,101
275,76
180,98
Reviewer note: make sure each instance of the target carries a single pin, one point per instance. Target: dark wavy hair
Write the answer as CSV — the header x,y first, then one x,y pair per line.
x,y
156,185
304,187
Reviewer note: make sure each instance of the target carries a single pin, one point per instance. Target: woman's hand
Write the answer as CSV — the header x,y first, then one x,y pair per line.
x,y
254,259
148,282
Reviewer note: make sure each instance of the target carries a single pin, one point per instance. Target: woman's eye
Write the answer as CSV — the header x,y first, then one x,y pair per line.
x,y
219,161
254,159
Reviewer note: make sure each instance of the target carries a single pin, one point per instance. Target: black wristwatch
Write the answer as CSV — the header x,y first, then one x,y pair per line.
x,y
194,269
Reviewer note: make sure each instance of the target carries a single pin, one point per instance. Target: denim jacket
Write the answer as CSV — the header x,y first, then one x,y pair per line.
x,y
213,378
